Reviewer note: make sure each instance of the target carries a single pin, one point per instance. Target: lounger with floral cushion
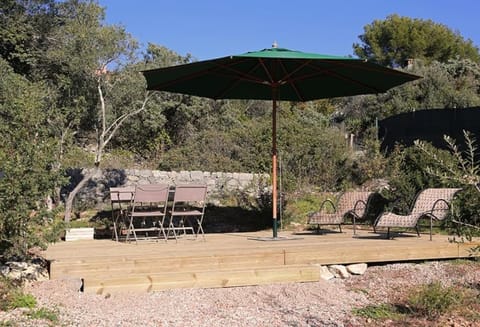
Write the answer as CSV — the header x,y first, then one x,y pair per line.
x,y
432,203
331,212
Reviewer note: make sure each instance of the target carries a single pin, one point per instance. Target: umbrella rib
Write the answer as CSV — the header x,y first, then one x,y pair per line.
x,y
291,82
334,74
243,77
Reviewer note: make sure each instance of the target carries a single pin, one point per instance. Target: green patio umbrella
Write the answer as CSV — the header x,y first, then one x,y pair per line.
x,y
276,74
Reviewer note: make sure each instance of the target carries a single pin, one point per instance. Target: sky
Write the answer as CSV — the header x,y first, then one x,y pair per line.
x,y
214,28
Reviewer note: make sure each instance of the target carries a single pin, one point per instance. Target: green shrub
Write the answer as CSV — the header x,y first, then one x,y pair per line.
x,y
433,300
7,290
376,312
11,296
21,300
298,206
43,313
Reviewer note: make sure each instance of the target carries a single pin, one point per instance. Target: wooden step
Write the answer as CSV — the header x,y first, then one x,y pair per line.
x,y
201,279
146,264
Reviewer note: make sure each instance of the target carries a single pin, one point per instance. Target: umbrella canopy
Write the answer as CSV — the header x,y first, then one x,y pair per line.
x,y
276,74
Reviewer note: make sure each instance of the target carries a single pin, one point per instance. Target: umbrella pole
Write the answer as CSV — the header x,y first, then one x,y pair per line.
x,y
274,164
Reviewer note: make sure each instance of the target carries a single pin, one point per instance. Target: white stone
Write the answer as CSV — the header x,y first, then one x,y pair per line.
x,y
35,272
196,175
84,233
4,270
325,274
357,268
245,177
17,265
133,178
339,271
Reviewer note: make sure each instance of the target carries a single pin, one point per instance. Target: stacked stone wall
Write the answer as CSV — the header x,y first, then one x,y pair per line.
x,y
220,185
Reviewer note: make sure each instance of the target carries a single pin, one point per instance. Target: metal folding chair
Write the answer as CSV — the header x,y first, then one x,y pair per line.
x,y
120,198
188,202
148,211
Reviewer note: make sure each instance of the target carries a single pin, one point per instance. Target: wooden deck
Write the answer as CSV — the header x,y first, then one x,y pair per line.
x,y
235,259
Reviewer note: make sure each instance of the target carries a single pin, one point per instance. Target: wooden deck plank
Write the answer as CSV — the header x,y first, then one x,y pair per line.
x,y
204,279
235,259
167,264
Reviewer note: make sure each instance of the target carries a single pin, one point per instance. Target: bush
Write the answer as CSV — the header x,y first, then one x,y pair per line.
x,y
376,312
43,313
299,205
12,297
433,300
21,300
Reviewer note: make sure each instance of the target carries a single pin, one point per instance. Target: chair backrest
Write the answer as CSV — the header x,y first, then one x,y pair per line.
x,y
152,193
354,200
121,194
186,193
436,199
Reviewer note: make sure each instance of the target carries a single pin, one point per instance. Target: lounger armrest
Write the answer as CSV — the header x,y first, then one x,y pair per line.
x,y
322,205
331,203
359,205
435,209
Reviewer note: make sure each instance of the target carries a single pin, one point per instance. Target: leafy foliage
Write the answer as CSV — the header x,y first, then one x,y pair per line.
x,y
464,170
43,313
396,39
432,300
26,161
378,312
72,96
454,84
407,175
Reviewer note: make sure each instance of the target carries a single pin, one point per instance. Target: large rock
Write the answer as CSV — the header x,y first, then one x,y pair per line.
x,y
339,271
25,271
357,268
325,274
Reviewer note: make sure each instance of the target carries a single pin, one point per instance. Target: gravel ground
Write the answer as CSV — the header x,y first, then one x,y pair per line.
x,y
324,303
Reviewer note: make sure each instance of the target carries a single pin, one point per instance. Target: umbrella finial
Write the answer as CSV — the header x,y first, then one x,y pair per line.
x,y
274,45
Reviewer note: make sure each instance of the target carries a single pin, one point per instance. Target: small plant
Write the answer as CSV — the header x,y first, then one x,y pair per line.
x,y
6,293
20,300
43,313
299,206
433,300
377,312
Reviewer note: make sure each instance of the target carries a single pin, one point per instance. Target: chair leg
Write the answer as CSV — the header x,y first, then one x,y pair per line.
x,y
161,230
418,231
171,227
388,233
131,229
340,227
431,223
200,228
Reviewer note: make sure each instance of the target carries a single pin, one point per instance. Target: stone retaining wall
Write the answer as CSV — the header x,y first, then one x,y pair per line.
x,y
220,186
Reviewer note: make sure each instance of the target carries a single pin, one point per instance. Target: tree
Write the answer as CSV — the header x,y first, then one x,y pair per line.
x,y
169,119
396,39
453,84
105,55
27,155
24,35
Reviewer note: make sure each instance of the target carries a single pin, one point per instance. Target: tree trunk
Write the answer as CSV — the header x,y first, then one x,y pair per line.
x,y
71,196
